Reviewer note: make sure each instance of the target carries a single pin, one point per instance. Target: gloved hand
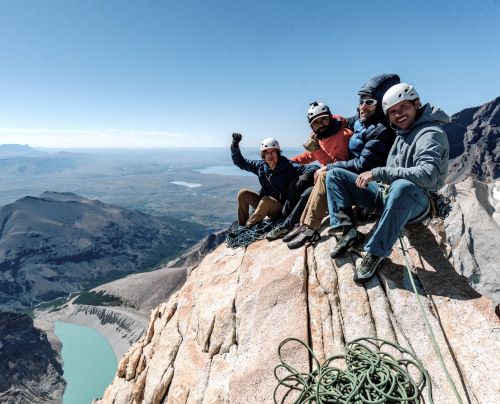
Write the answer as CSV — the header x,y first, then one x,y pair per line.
x,y
312,144
236,139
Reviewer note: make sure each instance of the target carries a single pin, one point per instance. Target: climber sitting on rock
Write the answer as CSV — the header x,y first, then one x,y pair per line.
x,y
276,175
417,164
327,143
372,135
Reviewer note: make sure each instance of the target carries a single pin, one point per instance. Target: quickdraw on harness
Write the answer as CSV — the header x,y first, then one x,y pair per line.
x,y
440,205
241,236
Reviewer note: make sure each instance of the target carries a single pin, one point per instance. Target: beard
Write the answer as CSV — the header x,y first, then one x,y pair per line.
x,y
329,130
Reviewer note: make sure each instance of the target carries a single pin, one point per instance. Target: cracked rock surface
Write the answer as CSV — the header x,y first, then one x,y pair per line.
x,y
216,339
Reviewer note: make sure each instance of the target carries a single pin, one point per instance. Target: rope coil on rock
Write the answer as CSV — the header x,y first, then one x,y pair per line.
x,y
241,236
371,376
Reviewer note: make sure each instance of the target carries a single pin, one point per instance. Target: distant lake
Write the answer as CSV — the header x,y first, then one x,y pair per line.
x,y
186,184
89,362
225,170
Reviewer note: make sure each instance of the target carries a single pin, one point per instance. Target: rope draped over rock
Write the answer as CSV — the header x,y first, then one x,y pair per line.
x,y
241,236
371,376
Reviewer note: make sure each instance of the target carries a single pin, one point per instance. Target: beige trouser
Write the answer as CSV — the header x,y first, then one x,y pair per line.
x,y
317,204
265,206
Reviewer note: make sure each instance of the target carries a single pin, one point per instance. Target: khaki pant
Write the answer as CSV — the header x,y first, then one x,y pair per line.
x,y
317,204
265,206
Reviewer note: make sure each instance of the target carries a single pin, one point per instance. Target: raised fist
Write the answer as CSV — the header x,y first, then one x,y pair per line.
x,y
236,139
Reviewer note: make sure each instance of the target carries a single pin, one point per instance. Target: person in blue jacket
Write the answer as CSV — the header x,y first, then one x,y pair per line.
x,y
372,136
276,175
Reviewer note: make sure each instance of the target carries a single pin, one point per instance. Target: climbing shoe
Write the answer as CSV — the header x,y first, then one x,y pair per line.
x,y
294,233
349,239
368,267
308,235
277,233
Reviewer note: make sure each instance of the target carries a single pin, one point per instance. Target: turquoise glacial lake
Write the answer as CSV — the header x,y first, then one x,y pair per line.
x,y
89,362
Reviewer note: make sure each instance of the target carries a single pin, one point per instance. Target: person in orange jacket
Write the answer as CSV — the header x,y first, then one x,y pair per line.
x,y
328,143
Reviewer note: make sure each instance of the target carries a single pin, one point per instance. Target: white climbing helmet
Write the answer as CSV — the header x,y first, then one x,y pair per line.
x,y
269,143
396,94
317,109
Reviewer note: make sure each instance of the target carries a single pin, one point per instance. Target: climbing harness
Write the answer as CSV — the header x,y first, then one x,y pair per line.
x,y
370,376
241,236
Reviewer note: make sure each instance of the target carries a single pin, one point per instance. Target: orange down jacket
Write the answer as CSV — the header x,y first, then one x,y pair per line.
x,y
333,148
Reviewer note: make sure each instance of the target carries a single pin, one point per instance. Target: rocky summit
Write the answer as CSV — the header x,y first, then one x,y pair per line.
x,y
474,136
61,242
216,340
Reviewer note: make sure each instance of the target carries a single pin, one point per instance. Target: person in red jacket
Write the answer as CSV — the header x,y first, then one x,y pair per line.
x,y
329,140
328,143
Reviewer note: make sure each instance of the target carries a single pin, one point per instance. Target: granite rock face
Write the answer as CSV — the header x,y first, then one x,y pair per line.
x,y
474,136
30,369
473,234
216,339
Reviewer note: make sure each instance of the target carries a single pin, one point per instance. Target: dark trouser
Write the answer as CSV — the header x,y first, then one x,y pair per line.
x,y
294,206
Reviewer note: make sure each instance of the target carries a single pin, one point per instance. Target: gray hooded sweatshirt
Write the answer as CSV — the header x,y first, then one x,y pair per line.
x,y
420,153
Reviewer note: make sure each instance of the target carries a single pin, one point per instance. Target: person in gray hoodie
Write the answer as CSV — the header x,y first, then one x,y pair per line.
x,y
417,164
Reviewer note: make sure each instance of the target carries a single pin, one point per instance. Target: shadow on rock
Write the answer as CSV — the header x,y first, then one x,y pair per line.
x,y
436,274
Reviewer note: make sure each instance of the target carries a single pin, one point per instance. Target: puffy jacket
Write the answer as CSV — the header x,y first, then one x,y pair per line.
x,y
277,182
372,139
420,153
333,148
368,147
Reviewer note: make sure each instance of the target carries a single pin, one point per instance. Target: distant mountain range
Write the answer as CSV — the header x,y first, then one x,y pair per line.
x,y
61,242
14,150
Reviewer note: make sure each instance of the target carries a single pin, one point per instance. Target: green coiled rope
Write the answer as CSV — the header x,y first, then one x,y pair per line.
x,y
371,376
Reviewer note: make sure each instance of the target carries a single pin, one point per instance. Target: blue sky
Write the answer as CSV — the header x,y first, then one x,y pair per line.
x,y
119,73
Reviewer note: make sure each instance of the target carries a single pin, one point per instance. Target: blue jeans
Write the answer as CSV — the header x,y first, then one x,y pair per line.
x,y
404,202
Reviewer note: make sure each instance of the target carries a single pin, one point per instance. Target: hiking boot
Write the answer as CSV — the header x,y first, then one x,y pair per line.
x,y
277,233
352,237
336,232
367,268
294,233
308,235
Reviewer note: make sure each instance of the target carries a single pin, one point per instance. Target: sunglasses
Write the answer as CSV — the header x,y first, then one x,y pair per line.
x,y
367,101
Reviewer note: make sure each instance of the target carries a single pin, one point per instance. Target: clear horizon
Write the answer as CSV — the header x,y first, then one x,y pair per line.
x,y
162,74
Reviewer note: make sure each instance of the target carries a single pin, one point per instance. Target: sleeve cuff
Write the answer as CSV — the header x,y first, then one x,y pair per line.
x,y
376,173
